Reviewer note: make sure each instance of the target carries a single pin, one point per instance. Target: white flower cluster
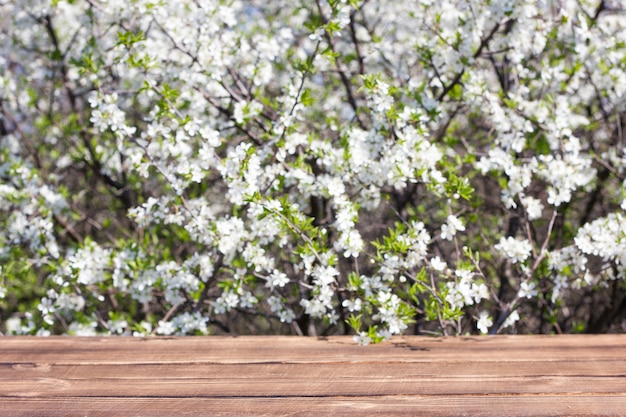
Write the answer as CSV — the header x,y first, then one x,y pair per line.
x,y
166,167
604,237
29,208
449,229
465,291
514,249
183,324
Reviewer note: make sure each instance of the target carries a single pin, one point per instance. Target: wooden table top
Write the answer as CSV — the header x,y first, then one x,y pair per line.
x,y
275,375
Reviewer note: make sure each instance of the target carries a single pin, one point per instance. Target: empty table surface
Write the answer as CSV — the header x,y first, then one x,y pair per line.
x,y
275,375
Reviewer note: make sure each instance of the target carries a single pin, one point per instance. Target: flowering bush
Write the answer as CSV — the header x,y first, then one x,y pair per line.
x,y
312,167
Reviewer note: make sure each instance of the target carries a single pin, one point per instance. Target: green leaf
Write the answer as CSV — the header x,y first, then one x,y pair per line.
x,y
355,322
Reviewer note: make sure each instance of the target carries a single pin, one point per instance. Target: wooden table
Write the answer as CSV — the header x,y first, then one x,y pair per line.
x,y
501,375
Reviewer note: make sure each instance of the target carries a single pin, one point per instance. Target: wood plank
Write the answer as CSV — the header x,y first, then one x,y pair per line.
x,y
262,386
502,375
298,380
513,406
191,369
309,350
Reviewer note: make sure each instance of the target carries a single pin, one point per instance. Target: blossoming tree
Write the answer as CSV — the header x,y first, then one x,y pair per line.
x,y
358,167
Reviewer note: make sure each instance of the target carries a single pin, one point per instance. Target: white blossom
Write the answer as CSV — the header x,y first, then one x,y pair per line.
x,y
449,229
514,249
200,158
527,290
484,322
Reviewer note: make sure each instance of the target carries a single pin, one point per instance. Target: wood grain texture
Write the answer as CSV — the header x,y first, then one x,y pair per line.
x,y
501,375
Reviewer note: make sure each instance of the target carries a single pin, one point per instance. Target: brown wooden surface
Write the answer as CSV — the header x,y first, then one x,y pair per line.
x,y
501,375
